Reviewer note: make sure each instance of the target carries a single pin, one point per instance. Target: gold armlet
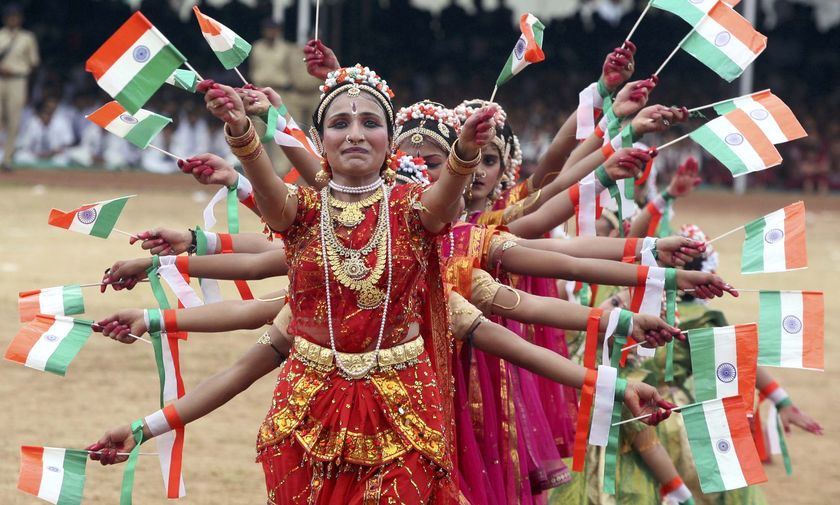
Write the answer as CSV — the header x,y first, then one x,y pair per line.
x,y
515,305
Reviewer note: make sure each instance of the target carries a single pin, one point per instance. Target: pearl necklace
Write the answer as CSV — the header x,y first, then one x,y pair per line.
x,y
383,207
355,190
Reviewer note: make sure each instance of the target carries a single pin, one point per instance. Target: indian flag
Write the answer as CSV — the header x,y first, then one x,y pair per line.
x,y
770,113
722,445
738,143
97,219
134,62
776,242
791,329
528,48
57,301
49,343
289,134
183,79
721,38
230,48
53,474
138,128
724,362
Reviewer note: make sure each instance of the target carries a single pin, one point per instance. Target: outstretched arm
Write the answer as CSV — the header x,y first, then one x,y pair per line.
x,y
788,412
166,241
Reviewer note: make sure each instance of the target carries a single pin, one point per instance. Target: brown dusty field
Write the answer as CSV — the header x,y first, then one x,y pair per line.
x,y
110,383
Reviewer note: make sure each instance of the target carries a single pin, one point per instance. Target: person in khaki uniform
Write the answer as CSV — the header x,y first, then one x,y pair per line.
x,y
18,57
277,63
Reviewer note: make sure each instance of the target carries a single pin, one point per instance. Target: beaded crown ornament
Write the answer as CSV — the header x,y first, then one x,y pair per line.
x,y
427,120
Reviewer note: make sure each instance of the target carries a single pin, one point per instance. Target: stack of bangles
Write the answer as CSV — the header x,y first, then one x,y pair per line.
x,y
246,147
459,167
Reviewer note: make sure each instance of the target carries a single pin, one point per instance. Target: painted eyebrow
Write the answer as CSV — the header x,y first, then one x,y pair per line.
x,y
360,113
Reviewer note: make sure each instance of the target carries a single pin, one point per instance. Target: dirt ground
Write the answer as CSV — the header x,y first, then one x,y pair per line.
x,y
110,383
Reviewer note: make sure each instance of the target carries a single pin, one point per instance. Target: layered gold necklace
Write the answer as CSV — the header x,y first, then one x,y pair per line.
x,y
352,213
348,264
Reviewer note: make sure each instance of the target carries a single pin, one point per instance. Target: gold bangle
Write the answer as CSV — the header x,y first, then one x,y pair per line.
x,y
241,140
515,305
453,153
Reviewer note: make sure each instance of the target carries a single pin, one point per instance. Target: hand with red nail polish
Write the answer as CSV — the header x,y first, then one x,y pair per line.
x,y
320,59
116,440
626,163
618,66
632,97
643,399
685,179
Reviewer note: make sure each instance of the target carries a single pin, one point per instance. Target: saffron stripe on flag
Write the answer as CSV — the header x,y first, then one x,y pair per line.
x,y
796,255
117,44
723,141
757,138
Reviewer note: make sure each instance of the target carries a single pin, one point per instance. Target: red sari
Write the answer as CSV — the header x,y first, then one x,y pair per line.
x,y
328,438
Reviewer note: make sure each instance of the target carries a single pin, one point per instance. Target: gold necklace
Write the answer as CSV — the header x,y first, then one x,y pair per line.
x,y
348,264
352,213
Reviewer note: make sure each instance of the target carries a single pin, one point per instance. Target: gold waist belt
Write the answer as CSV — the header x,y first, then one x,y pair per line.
x,y
322,358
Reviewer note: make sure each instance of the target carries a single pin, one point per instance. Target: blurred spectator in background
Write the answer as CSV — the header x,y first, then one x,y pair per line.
x,y
18,58
155,161
45,137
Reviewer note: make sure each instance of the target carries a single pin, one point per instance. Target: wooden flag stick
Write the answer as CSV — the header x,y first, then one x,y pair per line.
x,y
317,16
130,335
638,22
666,144
125,233
123,453
92,284
675,409
194,70
164,152
493,96
730,232
724,101
674,52
637,344
240,75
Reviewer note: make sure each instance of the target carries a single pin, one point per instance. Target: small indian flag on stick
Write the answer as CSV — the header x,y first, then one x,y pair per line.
x,y
776,242
183,79
230,48
724,361
134,62
737,142
791,329
528,48
138,128
721,38
97,219
769,113
722,445
57,301
53,474
49,343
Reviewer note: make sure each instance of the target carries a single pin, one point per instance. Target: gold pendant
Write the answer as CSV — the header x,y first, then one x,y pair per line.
x,y
350,217
355,268
369,298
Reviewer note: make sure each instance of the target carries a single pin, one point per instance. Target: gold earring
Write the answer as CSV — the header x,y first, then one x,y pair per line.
x,y
325,174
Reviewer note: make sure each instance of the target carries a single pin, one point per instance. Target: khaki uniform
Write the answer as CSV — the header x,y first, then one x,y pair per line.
x,y
21,57
280,65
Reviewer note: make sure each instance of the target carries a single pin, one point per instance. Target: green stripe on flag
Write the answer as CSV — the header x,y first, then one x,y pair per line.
x,y
752,257
69,347
234,56
692,15
74,302
144,131
73,480
702,342
153,75
718,148
107,218
712,57
700,441
725,107
770,328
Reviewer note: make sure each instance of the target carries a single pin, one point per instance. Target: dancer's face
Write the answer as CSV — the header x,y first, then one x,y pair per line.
x,y
488,172
432,154
355,136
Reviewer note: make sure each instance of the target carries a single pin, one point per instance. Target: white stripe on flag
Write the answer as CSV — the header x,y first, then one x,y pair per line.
x,y
222,42
52,474
774,253
165,445
722,446
599,433
762,117
77,225
724,129
51,300
792,329
117,77
47,344
120,127
170,383
725,41
726,354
